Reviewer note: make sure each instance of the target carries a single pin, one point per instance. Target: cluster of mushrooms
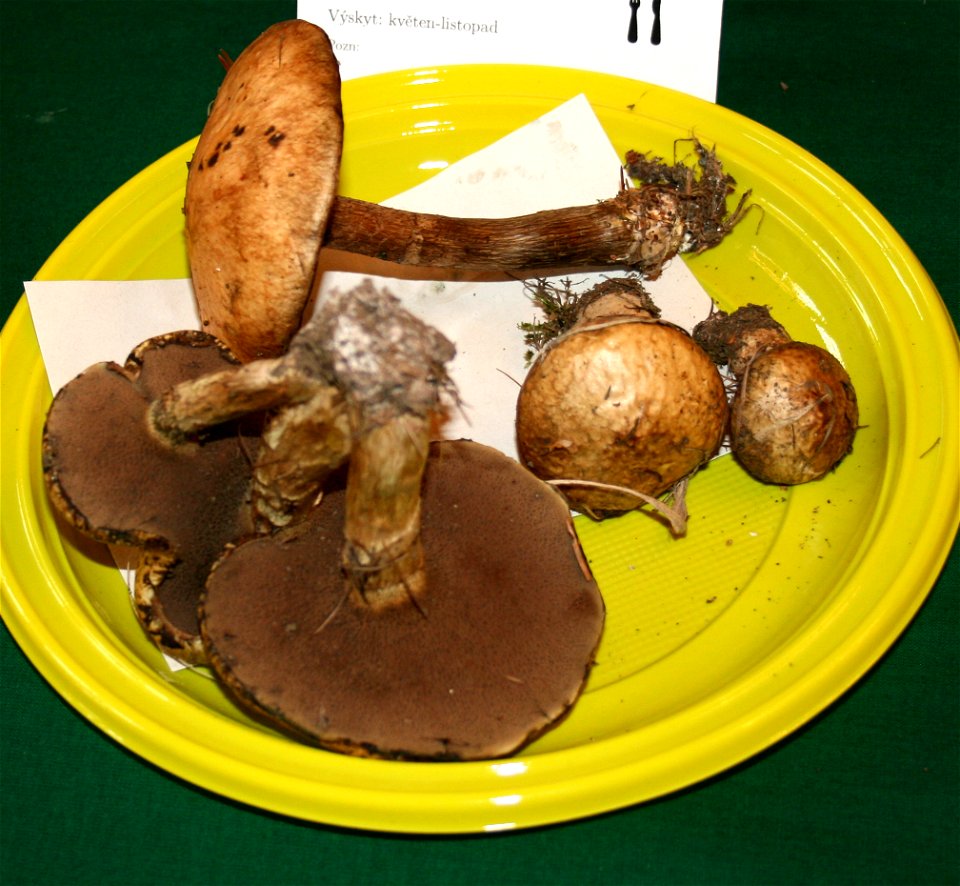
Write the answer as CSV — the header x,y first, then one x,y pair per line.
x,y
350,577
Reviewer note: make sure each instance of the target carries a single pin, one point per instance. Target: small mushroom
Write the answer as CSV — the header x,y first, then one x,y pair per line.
x,y
118,481
794,413
261,202
494,649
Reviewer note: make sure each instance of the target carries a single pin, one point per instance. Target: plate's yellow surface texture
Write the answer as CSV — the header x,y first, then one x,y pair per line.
x,y
716,646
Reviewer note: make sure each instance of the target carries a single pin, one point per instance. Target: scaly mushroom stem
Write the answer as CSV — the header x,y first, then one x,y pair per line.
x,y
640,228
676,208
383,555
194,406
306,438
390,367
300,447
360,381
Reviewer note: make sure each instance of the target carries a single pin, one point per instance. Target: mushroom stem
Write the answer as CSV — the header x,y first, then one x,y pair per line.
x,y
361,381
676,208
196,405
302,444
306,438
640,228
382,554
390,367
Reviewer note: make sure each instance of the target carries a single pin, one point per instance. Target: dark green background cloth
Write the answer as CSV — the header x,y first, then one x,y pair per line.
x,y
92,92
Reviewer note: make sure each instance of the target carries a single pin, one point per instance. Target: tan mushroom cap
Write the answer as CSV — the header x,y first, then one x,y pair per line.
x,y
260,187
794,415
494,653
631,403
119,483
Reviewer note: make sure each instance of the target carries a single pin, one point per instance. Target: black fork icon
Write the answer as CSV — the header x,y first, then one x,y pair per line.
x,y
632,29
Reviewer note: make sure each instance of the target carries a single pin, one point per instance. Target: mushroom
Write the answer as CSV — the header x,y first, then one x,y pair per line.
x,y
400,616
261,202
493,651
260,185
395,614
118,481
620,407
155,453
794,413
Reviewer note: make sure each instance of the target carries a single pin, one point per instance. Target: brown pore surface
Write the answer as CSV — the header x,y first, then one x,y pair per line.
x,y
120,483
494,652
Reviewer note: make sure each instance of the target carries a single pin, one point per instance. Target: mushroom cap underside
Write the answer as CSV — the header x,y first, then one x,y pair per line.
x,y
494,652
119,482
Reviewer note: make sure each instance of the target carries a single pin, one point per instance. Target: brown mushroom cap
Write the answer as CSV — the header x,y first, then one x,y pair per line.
x,y
119,482
260,187
627,403
493,653
794,415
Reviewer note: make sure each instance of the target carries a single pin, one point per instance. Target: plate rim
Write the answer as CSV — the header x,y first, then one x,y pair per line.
x,y
530,812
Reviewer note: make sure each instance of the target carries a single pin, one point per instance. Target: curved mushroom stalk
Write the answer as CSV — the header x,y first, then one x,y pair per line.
x,y
119,482
390,367
383,553
305,438
261,202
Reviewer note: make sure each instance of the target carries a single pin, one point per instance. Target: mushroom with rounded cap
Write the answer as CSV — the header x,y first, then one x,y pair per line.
x,y
794,413
621,407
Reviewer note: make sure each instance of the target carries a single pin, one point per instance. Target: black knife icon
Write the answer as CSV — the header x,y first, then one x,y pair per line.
x,y
655,33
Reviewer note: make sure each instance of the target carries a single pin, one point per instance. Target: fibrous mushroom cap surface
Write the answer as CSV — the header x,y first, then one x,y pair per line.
x,y
630,403
260,187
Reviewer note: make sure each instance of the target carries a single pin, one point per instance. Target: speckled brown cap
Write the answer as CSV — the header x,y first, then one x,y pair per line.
x,y
494,652
119,482
260,187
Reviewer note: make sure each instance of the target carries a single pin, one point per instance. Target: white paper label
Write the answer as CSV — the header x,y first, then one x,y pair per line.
x,y
673,43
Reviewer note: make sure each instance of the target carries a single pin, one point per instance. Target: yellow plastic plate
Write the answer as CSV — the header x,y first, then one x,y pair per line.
x,y
716,646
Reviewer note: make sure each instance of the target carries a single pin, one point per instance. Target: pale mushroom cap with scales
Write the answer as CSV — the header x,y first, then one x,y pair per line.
x,y
494,653
260,187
